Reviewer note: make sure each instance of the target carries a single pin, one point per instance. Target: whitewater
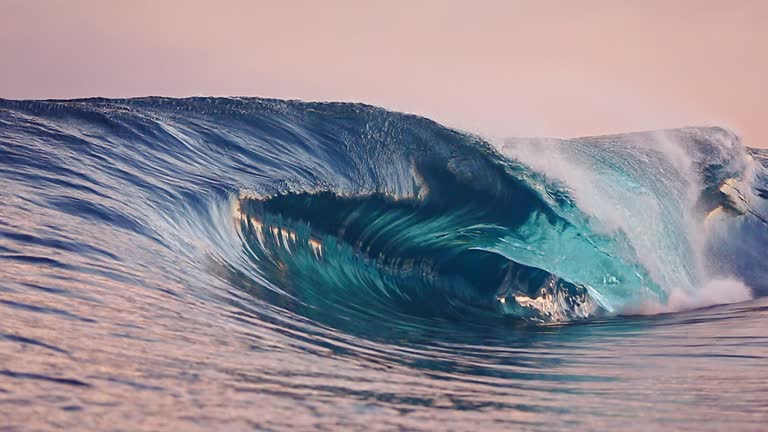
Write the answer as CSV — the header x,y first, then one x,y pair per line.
x,y
247,263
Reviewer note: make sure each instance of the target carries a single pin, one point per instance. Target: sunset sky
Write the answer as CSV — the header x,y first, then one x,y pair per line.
x,y
501,68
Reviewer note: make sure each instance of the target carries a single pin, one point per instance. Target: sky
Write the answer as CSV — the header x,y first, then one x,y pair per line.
x,y
499,68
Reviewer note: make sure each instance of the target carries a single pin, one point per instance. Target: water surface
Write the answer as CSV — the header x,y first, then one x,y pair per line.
x,y
240,264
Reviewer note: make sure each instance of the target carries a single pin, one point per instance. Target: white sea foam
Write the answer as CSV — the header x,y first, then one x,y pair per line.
x,y
644,213
714,292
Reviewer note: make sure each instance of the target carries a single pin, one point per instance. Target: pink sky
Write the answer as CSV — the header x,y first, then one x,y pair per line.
x,y
502,68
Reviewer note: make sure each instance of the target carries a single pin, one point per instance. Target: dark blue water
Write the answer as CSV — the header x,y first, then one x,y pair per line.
x,y
239,264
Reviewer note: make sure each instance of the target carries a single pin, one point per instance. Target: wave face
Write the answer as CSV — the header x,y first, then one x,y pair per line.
x,y
350,207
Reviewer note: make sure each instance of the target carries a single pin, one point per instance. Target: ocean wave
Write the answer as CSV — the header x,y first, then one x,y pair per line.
x,y
345,210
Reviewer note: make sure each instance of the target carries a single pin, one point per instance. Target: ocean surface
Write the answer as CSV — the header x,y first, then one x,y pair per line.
x,y
254,264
